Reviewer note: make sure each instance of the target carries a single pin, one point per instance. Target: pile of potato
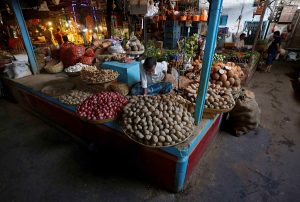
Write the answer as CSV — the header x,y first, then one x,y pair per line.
x,y
157,121
217,97
74,97
226,75
93,75
191,92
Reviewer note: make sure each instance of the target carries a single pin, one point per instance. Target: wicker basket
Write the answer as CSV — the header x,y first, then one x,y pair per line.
x,y
73,74
211,113
121,88
130,137
135,52
53,69
98,121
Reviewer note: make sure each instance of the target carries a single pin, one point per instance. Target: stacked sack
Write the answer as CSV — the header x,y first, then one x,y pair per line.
x,y
41,54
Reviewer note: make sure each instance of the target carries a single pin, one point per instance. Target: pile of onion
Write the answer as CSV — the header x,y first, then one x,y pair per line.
x,y
105,105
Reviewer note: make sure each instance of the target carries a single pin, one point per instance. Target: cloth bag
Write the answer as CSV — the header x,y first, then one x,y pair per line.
x,y
245,116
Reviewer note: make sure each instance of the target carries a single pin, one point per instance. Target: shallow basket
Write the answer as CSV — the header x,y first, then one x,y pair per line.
x,y
217,111
97,121
107,82
135,52
211,113
155,146
73,74
53,69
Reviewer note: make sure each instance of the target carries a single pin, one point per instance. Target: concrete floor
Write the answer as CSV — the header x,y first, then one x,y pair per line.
x,y
40,163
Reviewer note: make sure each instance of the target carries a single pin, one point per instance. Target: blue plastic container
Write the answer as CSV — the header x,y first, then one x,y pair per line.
x,y
129,72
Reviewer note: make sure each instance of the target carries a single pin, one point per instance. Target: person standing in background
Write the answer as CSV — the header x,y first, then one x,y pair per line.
x,y
58,37
273,50
240,43
48,37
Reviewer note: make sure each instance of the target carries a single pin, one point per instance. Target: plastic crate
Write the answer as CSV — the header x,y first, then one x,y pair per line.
x,y
171,23
172,34
129,72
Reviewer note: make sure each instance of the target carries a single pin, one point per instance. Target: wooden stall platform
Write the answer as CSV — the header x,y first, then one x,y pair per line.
x,y
168,167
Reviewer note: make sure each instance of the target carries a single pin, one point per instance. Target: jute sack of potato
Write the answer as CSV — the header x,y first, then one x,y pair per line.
x,y
245,116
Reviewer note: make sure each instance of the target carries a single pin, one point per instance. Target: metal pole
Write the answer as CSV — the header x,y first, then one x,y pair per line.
x,y
260,24
15,5
214,17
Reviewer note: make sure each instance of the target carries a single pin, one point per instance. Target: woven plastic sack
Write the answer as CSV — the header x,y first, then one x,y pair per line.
x,y
20,70
245,116
71,54
89,52
87,60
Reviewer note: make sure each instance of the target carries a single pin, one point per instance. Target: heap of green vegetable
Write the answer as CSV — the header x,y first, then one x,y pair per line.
x,y
218,58
190,45
153,51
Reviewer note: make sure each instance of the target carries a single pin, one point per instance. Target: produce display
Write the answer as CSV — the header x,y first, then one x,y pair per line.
x,y
157,121
218,58
40,55
227,74
93,75
123,58
75,68
191,92
102,106
54,66
190,45
75,97
194,73
240,57
217,97
134,44
121,88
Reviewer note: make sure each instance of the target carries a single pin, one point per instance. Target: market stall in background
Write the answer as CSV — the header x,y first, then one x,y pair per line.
x,y
86,61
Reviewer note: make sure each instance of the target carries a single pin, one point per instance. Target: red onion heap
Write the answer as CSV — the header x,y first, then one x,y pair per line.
x,y
105,105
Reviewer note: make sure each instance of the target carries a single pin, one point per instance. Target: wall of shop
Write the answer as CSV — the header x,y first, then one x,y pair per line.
x,y
233,10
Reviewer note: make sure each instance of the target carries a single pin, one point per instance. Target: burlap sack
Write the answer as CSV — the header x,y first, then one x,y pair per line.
x,y
245,116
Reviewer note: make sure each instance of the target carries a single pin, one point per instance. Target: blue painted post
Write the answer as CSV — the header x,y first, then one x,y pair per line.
x,y
214,17
16,7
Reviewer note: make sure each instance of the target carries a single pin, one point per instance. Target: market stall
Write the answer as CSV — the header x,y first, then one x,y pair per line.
x,y
86,89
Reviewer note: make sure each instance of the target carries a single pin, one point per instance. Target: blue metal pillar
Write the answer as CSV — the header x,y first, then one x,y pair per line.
x,y
16,7
214,17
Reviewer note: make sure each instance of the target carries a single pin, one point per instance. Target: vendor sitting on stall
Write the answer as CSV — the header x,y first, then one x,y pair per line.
x,y
240,43
153,78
